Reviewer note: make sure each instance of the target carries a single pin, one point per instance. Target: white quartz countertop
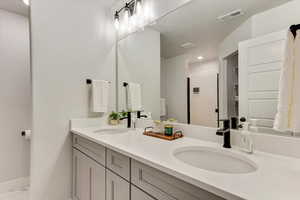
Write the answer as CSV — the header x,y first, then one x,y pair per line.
x,y
277,177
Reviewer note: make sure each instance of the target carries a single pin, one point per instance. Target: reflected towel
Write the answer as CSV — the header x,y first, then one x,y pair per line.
x,y
134,97
100,96
289,97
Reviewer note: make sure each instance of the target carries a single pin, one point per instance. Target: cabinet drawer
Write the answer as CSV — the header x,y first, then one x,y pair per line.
x,y
118,163
116,187
137,194
165,187
92,149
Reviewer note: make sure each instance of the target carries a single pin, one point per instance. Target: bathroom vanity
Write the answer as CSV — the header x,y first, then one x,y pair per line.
x,y
102,173
114,164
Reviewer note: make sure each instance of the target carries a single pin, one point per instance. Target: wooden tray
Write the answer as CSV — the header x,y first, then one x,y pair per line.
x,y
162,136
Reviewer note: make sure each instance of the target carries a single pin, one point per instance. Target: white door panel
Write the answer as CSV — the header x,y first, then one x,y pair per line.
x,y
272,51
263,81
262,109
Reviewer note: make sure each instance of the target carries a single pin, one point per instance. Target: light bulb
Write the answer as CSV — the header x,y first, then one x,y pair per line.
x,y
126,18
126,15
117,21
138,7
26,2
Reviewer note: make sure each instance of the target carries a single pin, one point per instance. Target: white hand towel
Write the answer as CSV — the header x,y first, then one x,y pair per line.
x,y
163,108
288,114
134,97
100,96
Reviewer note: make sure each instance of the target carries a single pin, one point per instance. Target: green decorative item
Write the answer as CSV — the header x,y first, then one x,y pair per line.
x,y
114,118
168,130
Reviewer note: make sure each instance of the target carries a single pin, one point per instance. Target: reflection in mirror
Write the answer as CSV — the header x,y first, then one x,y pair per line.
x,y
15,99
203,64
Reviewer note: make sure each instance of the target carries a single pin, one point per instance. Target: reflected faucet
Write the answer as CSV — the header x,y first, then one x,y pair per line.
x,y
225,132
128,117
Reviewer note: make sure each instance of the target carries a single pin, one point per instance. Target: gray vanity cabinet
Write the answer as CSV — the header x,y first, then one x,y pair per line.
x,y
88,178
103,174
117,188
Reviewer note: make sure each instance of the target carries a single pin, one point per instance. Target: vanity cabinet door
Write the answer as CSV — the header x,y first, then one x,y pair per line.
x,y
88,178
117,188
137,194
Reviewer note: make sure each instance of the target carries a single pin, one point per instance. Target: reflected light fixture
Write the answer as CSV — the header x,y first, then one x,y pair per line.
x,y
200,57
26,2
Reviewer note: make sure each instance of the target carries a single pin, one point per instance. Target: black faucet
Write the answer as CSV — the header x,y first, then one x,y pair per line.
x,y
128,117
225,132
139,115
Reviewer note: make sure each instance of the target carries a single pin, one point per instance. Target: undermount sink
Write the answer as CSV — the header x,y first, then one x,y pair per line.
x,y
113,130
217,160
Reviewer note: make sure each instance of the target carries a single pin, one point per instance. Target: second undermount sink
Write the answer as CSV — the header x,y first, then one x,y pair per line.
x,y
217,160
113,130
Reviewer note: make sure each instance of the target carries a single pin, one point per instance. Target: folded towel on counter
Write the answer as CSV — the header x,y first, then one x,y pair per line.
x,y
134,97
100,96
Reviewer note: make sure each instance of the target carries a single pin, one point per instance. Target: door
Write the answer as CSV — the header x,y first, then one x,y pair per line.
x,y
89,178
117,188
260,62
203,98
137,194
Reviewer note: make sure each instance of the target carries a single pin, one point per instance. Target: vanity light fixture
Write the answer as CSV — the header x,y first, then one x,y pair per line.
x,y
26,2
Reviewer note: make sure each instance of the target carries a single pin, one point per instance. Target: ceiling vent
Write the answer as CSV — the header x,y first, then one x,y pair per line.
x,y
231,15
188,45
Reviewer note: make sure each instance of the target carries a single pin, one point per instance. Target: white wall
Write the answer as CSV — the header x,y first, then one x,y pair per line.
x,y
272,20
71,41
230,43
202,68
276,19
203,105
139,62
15,96
152,10
175,71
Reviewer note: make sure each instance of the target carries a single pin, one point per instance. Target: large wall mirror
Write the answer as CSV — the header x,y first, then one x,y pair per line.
x,y
204,63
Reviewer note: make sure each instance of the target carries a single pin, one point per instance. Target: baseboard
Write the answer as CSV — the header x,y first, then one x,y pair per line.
x,y
14,185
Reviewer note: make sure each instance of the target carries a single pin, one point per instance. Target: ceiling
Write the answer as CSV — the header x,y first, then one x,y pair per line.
x,y
16,6
197,23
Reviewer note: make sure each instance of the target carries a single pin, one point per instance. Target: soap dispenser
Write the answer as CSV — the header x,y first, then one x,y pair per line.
x,y
247,140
